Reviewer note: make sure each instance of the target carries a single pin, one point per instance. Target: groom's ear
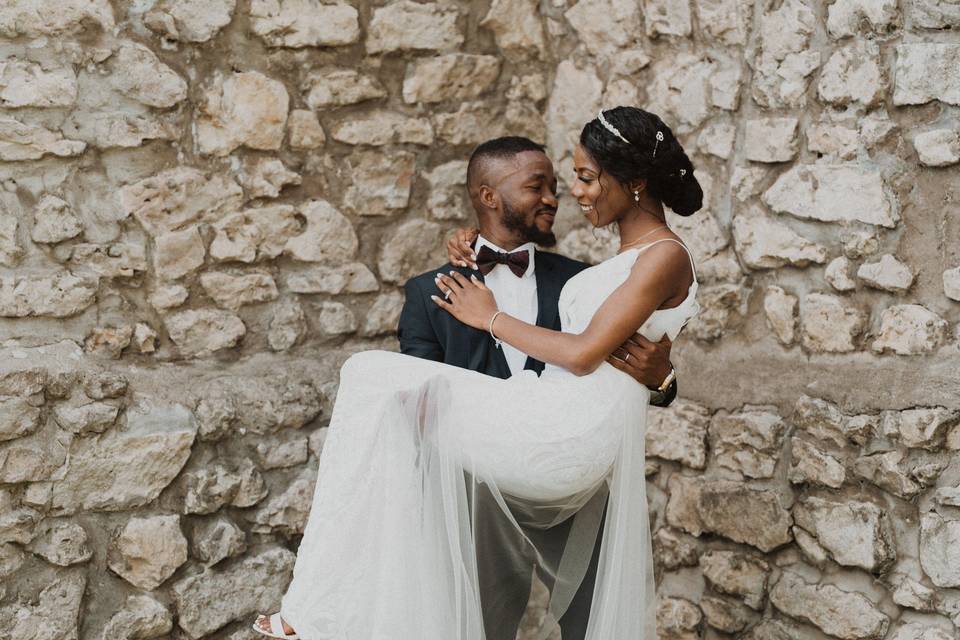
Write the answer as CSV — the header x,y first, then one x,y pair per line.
x,y
489,198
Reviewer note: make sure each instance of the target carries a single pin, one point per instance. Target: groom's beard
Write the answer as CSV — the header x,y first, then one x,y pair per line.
x,y
528,232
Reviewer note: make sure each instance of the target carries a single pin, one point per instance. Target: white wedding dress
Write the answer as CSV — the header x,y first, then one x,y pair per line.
x,y
388,552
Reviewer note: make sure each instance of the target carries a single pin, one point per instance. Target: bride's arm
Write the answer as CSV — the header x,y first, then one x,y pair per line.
x,y
652,280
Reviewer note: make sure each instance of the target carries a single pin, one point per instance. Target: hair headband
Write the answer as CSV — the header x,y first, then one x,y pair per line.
x,y
612,129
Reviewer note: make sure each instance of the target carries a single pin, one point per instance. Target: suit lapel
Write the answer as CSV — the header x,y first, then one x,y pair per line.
x,y
548,295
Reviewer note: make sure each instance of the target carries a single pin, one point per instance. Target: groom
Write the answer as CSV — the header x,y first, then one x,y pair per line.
x,y
512,188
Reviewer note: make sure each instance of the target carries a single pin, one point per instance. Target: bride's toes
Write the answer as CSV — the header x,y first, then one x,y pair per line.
x,y
287,629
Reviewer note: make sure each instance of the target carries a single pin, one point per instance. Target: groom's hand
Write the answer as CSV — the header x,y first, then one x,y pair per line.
x,y
647,362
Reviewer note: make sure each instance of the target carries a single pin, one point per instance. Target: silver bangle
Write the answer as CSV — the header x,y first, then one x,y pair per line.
x,y
496,340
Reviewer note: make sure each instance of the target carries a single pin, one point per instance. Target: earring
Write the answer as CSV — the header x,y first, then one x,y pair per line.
x,y
636,197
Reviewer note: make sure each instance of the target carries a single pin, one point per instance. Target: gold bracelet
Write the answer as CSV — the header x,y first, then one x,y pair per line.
x,y
496,340
669,379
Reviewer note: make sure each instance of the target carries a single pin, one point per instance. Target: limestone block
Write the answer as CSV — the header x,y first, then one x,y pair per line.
x,y
938,148
685,89
947,496
217,540
33,458
726,21
407,25
516,25
22,141
115,260
304,130
744,514
328,235
277,453
888,274
255,404
745,182
914,595
378,185
677,619
147,551
682,512
108,341
287,512
30,84
144,338
10,250
415,246
763,242
56,610
833,193
771,139
856,534
471,124
141,617
232,291
61,543
18,418
810,464
663,17
726,615
174,198
36,18
719,304
673,549
845,17
926,71
209,489
178,253
200,332
59,294
338,87
190,20
927,427
447,189
836,141
829,324
168,296
934,14
605,26
125,129
336,318
254,583
724,84
126,469
940,549
823,421
747,441
737,574
951,283
137,73
781,310
287,325
909,329
717,139
574,100
18,525
266,177
844,614
353,277
302,23
853,75
383,127
890,472
383,316
245,109
84,418
454,76
784,62
920,631
679,433
255,234
837,274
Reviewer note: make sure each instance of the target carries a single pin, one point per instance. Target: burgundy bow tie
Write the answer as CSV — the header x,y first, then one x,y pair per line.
x,y
518,261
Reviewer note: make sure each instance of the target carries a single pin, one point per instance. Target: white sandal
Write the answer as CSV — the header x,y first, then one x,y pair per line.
x,y
275,623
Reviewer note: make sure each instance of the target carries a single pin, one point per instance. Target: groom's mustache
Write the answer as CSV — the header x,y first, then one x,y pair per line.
x,y
551,210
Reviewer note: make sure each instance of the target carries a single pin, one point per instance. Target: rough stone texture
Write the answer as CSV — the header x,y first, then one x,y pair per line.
x,y
839,613
737,574
148,550
212,203
940,549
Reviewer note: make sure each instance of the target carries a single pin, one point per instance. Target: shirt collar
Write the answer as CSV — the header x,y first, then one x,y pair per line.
x,y
530,247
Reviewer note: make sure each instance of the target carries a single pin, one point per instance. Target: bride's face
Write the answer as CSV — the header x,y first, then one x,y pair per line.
x,y
602,199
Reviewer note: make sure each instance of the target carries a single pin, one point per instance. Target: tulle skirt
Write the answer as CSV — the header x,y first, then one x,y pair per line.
x,y
390,547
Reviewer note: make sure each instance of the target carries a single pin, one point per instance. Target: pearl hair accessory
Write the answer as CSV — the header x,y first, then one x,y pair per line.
x,y
657,143
609,127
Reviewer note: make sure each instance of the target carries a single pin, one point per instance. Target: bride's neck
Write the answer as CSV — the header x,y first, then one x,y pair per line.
x,y
640,223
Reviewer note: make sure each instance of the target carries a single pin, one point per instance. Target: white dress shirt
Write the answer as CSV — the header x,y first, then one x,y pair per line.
x,y
515,296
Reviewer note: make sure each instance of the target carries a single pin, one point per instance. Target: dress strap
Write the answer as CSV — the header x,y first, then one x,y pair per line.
x,y
689,255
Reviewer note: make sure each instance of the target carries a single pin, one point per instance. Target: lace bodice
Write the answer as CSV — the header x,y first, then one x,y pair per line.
x,y
584,293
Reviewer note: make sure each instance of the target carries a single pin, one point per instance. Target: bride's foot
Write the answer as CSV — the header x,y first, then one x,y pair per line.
x,y
274,626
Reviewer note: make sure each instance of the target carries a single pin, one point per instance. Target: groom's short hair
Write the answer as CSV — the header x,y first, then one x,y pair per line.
x,y
496,149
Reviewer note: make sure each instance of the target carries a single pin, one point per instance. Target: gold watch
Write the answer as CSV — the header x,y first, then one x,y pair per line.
x,y
667,381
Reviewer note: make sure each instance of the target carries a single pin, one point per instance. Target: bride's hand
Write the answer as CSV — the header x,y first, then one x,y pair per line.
x,y
468,300
460,248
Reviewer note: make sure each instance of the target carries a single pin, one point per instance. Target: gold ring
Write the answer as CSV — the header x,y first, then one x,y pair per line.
x,y
628,357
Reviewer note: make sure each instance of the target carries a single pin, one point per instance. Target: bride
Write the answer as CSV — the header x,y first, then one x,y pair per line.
x,y
389,549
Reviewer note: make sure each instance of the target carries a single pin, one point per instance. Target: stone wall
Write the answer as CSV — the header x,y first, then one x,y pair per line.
x,y
208,204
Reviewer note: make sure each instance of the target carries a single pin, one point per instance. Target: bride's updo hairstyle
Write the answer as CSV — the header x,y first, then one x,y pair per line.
x,y
632,144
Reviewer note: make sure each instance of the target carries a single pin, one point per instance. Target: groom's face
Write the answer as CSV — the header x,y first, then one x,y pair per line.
x,y
528,197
